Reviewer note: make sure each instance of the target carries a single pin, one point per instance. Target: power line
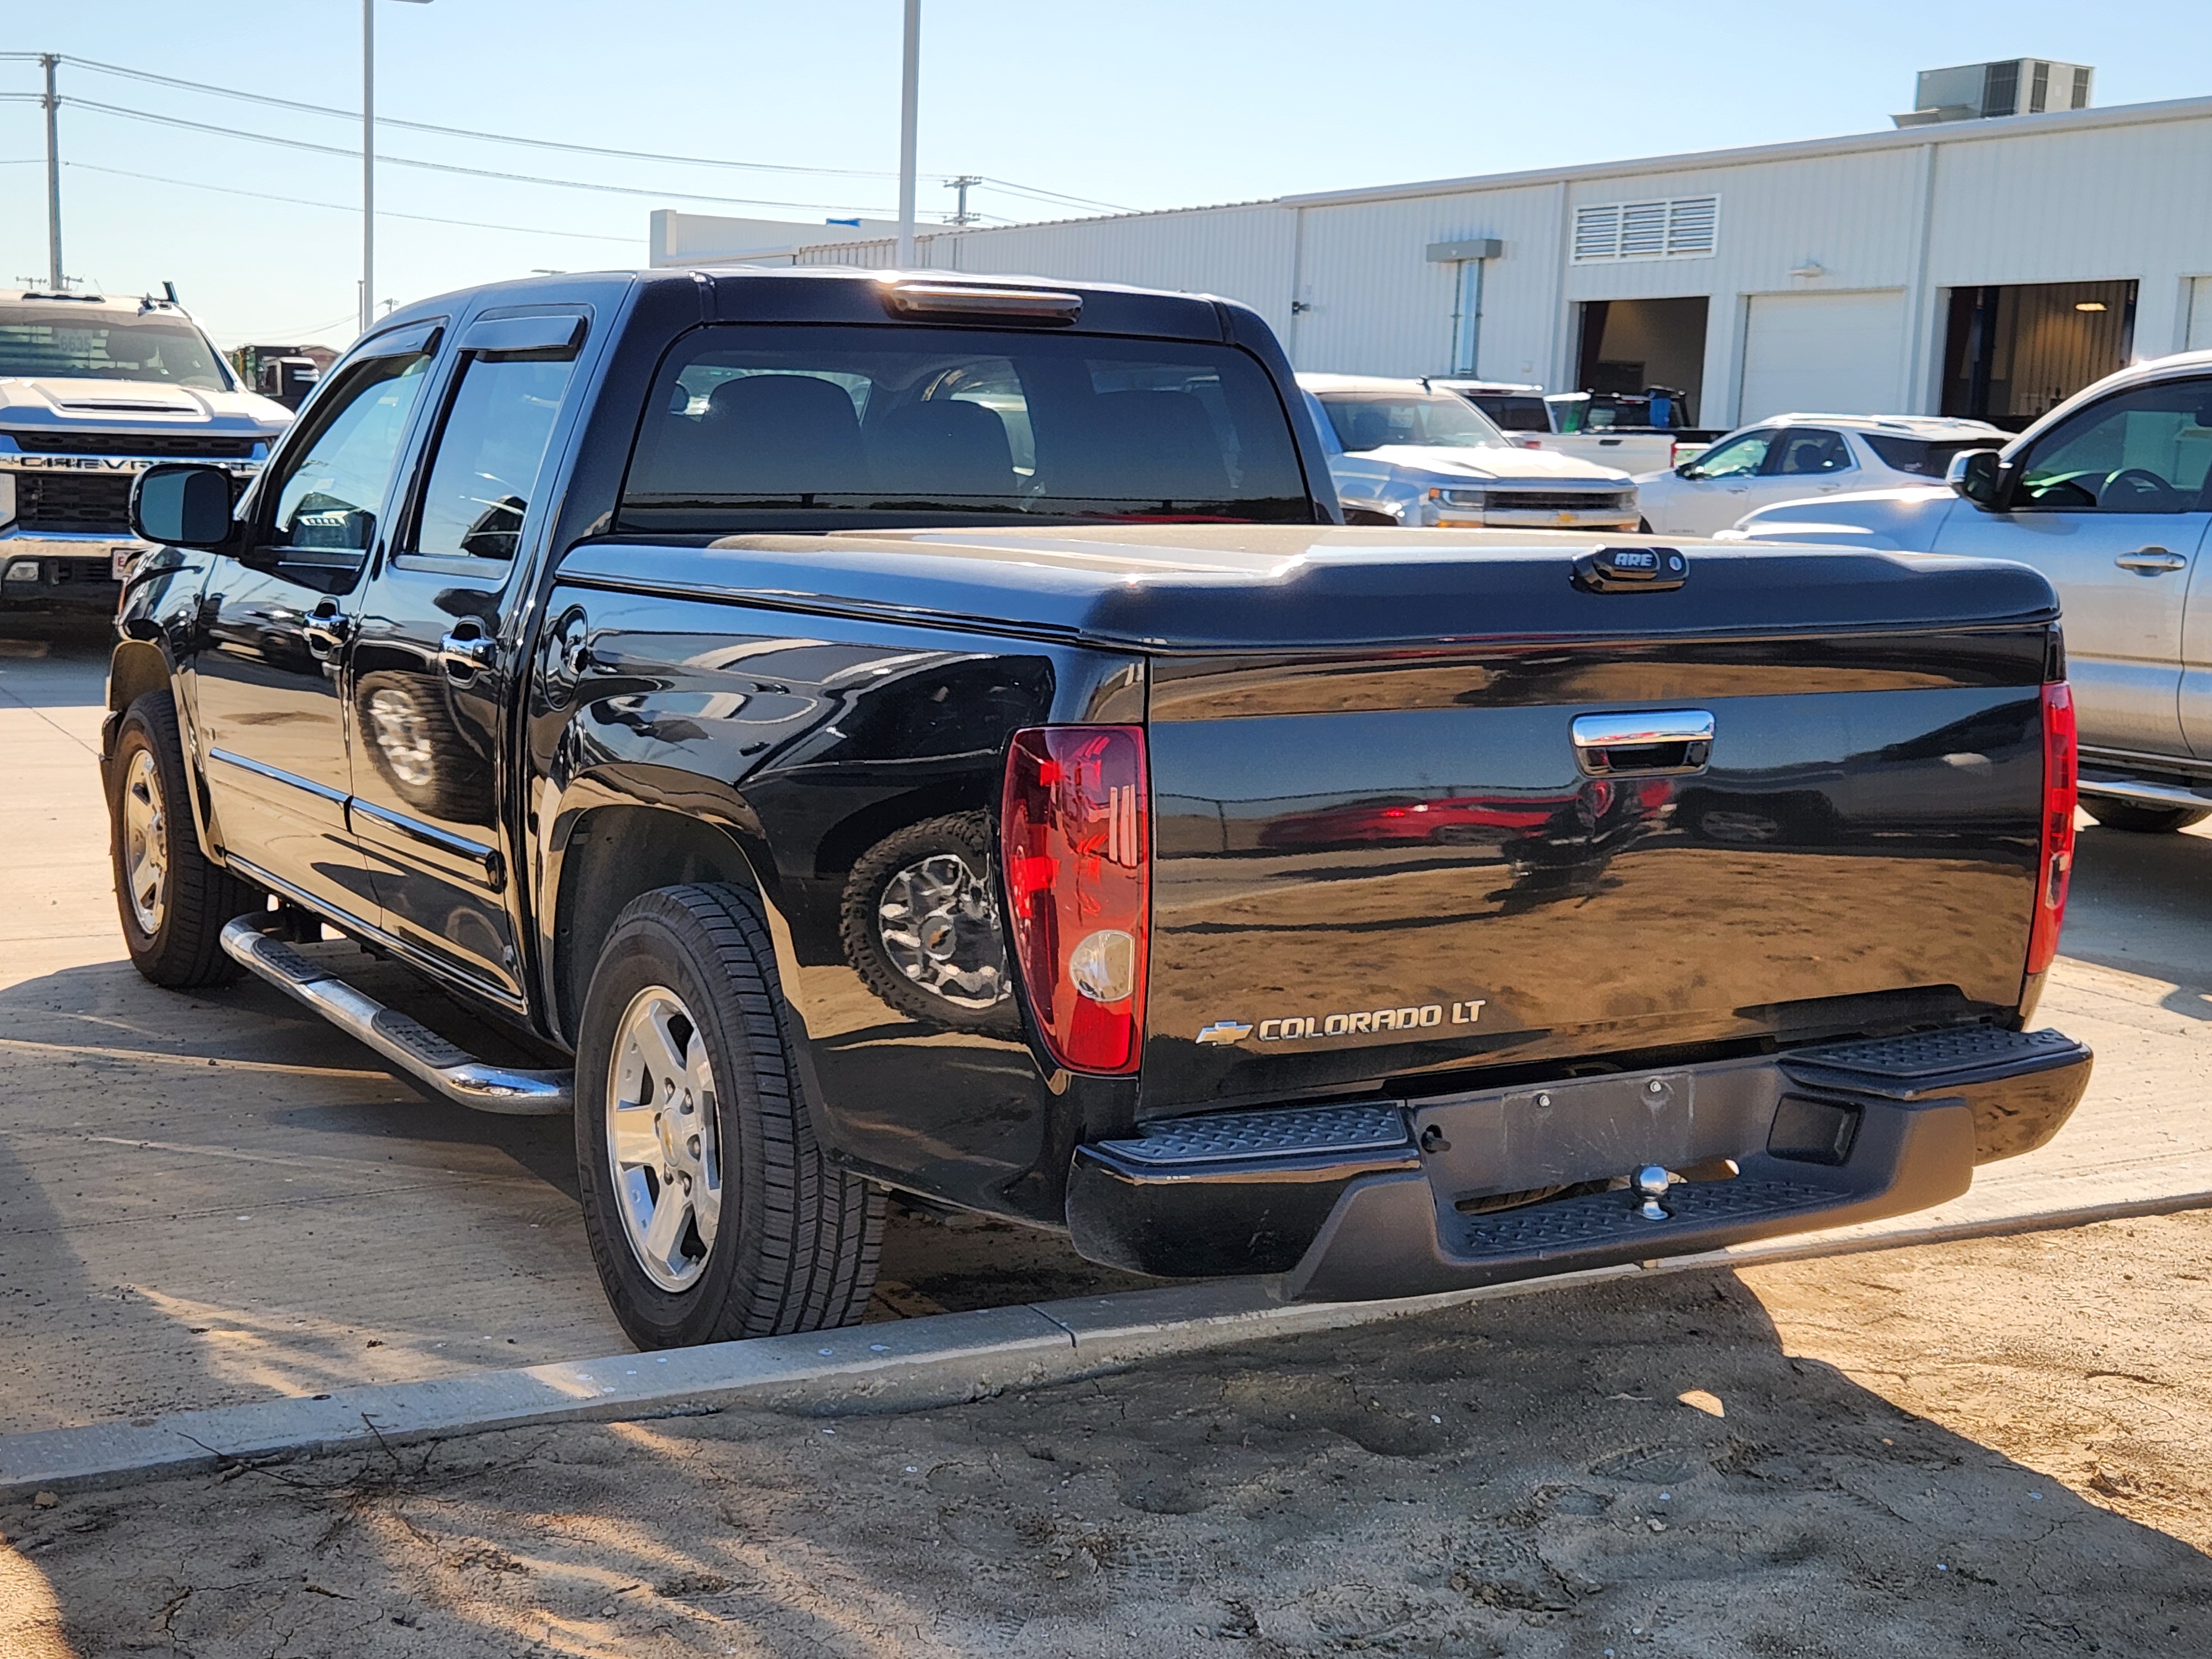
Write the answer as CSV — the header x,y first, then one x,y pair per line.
x,y
345,207
210,88
467,132
446,167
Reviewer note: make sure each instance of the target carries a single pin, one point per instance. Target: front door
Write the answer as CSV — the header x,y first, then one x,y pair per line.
x,y
1713,491
432,658
275,629
2111,506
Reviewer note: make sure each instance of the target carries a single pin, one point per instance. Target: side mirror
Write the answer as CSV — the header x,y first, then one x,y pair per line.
x,y
1976,474
181,505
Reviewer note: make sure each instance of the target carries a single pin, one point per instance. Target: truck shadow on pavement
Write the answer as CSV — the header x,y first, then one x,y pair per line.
x,y
2143,904
1636,1467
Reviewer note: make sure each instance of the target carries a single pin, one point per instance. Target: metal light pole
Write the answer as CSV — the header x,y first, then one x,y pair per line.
x,y
910,91
53,176
369,160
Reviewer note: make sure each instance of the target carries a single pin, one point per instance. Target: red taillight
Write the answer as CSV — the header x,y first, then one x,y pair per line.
x,y
1075,837
2057,865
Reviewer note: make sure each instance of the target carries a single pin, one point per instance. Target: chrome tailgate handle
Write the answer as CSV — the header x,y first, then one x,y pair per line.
x,y
1649,741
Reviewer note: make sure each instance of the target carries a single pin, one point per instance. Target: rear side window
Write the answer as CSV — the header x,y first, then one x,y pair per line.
x,y
1920,457
815,427
1512,414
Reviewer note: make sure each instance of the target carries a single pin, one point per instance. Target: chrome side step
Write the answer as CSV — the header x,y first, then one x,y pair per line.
x,y
407,1043
2139,792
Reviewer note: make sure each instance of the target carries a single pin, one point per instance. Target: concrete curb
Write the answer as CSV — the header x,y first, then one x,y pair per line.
x,y
900,1364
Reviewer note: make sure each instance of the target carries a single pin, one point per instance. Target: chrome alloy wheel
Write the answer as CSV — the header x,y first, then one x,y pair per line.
x,y
396,727
938,923
661,1146
145,844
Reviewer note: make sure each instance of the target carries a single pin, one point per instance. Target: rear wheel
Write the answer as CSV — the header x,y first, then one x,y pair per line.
x,y
172,899
2139,818
712,1211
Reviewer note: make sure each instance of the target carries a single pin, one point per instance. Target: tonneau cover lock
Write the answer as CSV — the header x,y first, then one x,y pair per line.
x,y
1631,569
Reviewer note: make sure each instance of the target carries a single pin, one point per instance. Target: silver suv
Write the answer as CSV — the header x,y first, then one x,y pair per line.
x,y
2110,496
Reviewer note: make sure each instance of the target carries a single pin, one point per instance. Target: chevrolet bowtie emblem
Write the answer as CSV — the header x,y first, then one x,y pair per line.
x,y
1224,1030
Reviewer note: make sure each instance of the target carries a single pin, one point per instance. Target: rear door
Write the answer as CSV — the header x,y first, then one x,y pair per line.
x,y
433,658
277,627
2111,506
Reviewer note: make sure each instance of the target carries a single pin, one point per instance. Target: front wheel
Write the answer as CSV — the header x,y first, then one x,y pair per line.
x,y
2140,819
712,1211
172,898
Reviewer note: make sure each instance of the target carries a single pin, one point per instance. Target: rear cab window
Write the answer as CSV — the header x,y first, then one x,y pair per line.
x,y
753,427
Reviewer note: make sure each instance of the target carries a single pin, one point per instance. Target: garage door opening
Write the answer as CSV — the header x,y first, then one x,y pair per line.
x,y
2012,354
1632,345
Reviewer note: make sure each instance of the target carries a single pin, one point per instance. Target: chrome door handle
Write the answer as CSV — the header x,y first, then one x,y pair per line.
x,y
2150,561
464,656
1662,740
326,628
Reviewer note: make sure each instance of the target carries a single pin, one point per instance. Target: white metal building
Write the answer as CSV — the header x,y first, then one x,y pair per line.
x,y
1962,266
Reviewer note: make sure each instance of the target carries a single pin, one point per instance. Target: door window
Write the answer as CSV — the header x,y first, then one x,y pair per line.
x,y
2144,451
1802,451
329,496
485,470
1738,458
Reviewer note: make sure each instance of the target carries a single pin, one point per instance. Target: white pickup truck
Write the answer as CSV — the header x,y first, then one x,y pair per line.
x,y
92,392
1531,419
1402,454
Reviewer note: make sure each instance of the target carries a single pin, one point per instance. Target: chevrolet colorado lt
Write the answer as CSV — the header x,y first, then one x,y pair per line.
x,y
93,390
903,731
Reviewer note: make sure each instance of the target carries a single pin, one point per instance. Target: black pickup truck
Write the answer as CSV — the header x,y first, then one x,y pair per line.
x,y
904,732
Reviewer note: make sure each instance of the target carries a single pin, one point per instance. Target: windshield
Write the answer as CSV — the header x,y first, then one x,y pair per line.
x,y
823,427
1369,420
64,342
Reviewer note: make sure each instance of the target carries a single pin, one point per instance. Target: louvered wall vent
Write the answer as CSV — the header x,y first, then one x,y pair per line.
x,y
1682,228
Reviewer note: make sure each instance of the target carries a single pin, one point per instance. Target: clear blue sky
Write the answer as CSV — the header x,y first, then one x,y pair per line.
x,y
1140,103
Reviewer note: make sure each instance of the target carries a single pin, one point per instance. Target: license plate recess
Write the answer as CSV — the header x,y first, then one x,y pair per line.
x,y
1590,1129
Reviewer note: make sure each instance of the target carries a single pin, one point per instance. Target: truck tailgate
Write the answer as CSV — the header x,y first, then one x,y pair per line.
x,y
1370,869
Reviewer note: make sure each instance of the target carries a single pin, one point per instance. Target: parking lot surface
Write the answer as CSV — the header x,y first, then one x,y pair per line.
x,y
1992,1447
212,1198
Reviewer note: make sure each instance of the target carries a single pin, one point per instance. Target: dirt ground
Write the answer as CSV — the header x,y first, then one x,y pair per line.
x,y
1988,1448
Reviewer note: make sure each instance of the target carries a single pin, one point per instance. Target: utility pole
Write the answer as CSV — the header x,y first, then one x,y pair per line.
x,y
961,216
367,162
53,105
910,91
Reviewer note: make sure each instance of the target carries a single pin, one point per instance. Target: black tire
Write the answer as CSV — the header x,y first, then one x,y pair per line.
x,y
410,737
196,897
1363,515
977,944
796,1244
1644,527
2143,820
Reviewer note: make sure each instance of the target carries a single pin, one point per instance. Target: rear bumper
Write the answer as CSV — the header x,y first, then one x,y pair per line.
x,y
1395,1198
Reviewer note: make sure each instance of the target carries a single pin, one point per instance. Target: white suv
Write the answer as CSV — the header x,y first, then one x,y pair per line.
x,y
1792,456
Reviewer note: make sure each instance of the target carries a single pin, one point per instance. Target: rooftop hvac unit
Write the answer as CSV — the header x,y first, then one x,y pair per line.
x,y
2012,85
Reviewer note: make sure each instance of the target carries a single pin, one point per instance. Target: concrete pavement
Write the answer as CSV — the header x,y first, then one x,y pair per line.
x,y
212,1200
